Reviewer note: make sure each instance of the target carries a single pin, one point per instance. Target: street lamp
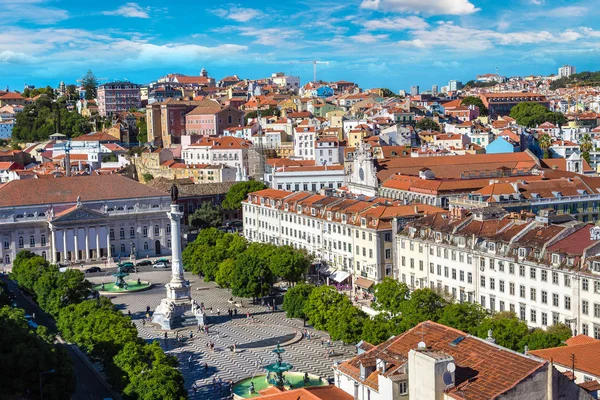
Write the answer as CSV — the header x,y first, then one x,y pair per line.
x,y
41,387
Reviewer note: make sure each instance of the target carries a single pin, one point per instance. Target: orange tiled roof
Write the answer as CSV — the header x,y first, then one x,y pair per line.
x,y
586,356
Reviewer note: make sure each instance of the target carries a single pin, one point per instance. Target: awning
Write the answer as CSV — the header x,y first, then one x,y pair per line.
x,y
324,269
339,276
364,283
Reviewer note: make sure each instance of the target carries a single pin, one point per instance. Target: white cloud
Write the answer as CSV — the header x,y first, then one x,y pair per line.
x,y
272,36
430,7
396,24
568,11
368,38
537,2
32,11
449,35
238,14
130,10
11,57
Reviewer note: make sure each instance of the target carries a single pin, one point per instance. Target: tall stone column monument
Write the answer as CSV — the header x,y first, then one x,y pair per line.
x,y
177,308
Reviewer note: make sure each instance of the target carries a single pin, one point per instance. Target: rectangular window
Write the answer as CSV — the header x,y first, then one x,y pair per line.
x,y
439,270
522,312
544,297
511,289
544,275
567,302
567,280
482,281
522,291
521,270
469,277
533,315
31,241
555,278
585,307
492,284
555,299
584,284
532,294
596,310
454,273
511,268
532,273
403,388
483,301
544,319
462,276
501,286
388,253
446,274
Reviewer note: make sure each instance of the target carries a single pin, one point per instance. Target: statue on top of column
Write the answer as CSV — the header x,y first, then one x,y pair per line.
x,y
174,193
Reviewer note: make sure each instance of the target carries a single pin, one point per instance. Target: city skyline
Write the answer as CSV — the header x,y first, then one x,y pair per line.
x,y
375,43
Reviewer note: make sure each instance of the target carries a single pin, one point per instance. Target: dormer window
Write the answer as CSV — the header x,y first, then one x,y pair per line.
x,y
286,207
344,218
272,203
522,252
570,261
329,215
299,209
313,212
596,266
491,246
262,201
555,259
363,221
438,237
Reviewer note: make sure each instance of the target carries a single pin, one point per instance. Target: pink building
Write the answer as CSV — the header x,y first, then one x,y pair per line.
x,y
211,119
118,97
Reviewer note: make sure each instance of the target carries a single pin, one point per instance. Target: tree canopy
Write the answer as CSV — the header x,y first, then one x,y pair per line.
x,y
531,114
322,303
239,192
89,82
25,355
295,298
463,316
389,295
252,276
426,124
207,216
475,101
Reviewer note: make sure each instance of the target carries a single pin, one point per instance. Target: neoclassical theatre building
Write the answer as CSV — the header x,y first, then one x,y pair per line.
x,y
83,219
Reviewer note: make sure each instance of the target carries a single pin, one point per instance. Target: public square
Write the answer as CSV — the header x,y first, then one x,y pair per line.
x,y
254,337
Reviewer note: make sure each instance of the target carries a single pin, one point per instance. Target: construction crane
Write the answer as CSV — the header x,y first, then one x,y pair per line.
x,y
314,63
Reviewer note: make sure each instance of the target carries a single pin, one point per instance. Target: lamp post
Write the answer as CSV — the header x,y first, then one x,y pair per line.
x,y
41,387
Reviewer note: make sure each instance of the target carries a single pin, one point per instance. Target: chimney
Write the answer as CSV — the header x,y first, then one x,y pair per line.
x,y
490,338
355,390
550,391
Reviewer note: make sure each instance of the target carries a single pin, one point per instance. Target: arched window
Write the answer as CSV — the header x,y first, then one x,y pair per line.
x,y
112,234
21,244
122,233
44,254
43,240
31,241
145,231
132,232
145,246
7,259
122,249
156,230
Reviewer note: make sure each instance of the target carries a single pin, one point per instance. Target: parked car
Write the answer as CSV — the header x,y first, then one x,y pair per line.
x,y
93,269
143,263
162,260
129,269
160,265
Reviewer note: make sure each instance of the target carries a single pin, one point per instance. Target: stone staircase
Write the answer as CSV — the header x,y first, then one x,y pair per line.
x,y
186,320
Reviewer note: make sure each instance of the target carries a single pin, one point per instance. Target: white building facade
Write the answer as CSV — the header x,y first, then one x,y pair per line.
x,y
77,222
546,274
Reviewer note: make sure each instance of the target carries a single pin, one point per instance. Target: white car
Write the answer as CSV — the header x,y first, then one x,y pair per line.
x,y
160,265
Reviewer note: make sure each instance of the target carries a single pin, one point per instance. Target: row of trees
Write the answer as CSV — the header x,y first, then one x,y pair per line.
x,y
585,78
249,269
138,369
532,114
475,101
400,310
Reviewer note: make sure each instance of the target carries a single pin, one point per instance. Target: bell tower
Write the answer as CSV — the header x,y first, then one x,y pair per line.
x,y
363,176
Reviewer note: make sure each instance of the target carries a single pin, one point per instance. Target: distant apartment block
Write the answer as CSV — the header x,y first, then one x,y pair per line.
x,y
414,90
499,104
118,97
566,71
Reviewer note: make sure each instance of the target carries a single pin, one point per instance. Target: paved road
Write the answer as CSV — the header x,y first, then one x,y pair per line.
x,y
88,385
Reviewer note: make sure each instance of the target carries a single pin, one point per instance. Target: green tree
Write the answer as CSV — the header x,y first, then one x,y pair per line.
x,y
531,114
562,331
4,296
90,85
424,304
389,295
27,269
322,303
110,158
25,355
426,124
507,329
289,263
475,101
346,323
224,274
385,92
252,276
271,112
539,339
55,289
586,145
378,329
295,298
147,177
238,193
463,316
545,142
161,382
206,216
142,127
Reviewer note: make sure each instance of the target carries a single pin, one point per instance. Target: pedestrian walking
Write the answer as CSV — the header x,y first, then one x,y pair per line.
x,y
235,311
190,362
218,312
147,309
143,322
195,387
205,368
191,335
129,313
166,336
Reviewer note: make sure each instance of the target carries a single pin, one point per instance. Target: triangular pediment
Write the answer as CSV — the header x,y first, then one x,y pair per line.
x,y
78,214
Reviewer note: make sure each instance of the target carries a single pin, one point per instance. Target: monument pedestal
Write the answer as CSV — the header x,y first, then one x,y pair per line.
x,y
177,309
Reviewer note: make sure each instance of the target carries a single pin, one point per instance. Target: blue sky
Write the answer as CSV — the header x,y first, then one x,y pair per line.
x,y
376,43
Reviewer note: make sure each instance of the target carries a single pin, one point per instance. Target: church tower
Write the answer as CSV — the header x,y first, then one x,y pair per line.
x,y
363,176
204,73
